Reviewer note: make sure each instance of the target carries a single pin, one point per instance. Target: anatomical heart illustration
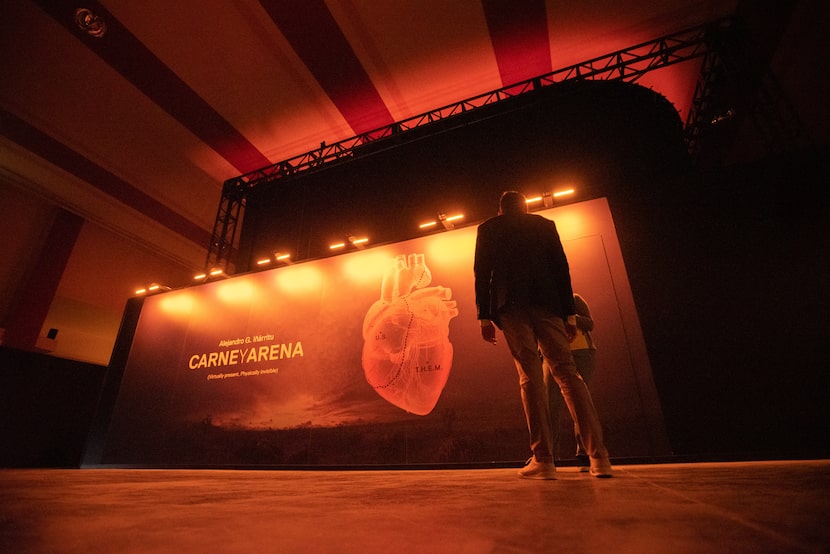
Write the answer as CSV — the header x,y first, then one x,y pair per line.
x,y
407,354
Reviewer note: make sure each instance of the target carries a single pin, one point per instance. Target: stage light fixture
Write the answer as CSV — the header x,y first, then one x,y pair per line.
x,y
215,273
90,23
263,262
359,243
547,198
152,288
449,221
723,116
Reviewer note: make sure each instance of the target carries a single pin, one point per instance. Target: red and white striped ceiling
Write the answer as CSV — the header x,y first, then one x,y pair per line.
x,y
176,97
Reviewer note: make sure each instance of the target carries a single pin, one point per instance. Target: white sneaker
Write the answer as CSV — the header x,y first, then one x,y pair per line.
x,y
538,470
601,468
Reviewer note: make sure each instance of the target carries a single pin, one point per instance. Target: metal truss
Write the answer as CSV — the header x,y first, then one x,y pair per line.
x,y
231,207
730,88
706,108
624,65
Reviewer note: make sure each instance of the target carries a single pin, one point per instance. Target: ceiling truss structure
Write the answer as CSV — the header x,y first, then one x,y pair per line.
x,y
627,65
729,87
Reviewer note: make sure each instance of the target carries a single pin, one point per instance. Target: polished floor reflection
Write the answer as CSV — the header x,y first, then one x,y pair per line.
x,y
768,506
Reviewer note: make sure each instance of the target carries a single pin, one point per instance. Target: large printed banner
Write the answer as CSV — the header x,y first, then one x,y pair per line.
x,y
371,357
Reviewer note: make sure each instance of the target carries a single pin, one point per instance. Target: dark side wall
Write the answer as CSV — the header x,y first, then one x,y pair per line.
x,y
47,406
730,273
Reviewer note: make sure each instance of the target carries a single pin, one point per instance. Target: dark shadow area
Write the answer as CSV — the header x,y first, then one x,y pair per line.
x,y
730,278
47,406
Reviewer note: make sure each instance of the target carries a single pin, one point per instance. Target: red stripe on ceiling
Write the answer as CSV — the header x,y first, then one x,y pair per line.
x,y
127,55
317,39
46,147
519,33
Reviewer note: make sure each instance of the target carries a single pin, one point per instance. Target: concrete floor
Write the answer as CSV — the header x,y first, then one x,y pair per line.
x,y
773,506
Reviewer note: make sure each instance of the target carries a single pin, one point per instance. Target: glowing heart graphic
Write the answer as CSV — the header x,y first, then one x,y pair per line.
x,y
407,354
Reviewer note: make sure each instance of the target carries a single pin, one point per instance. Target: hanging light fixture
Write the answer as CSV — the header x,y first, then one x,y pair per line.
x,y
90,23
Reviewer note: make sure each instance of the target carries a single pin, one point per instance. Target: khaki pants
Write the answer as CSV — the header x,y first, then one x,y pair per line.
x,y
529,331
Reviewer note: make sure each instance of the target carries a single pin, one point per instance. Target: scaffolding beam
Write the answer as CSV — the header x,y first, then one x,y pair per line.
x,y
627,65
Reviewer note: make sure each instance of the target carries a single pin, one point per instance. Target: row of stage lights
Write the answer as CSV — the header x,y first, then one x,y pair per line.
x,y
545,200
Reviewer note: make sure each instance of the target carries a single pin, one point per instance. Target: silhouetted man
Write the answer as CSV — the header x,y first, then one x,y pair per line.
x,y
523,286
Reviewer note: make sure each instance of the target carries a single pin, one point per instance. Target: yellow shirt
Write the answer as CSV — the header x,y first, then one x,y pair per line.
x,y
580,342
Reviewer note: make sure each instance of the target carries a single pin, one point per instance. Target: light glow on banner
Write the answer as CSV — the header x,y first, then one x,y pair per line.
x,y
236,291
177,304
299,278
365,267
453,249
574,224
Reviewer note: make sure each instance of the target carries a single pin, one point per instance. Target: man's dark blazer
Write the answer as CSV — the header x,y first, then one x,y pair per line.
x,y
519,260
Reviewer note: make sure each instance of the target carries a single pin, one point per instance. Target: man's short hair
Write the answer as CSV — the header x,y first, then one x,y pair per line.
x,y
512,202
